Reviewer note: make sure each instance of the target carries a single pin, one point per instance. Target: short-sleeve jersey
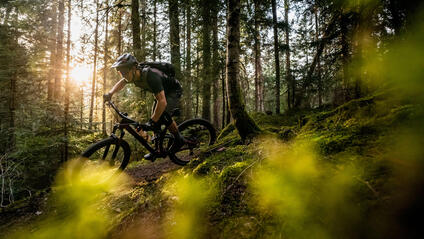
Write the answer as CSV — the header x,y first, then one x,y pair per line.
x,y
153,80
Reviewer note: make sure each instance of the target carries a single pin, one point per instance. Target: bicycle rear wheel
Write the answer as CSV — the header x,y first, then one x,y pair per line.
x,y
199,134
115,152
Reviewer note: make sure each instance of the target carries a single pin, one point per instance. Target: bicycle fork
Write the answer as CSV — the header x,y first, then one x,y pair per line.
x,y
115,151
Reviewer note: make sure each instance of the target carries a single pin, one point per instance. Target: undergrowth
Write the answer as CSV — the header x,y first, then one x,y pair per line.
x,y
311,174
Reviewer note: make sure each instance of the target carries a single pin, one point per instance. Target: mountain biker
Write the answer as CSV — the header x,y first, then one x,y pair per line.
x,y
166,89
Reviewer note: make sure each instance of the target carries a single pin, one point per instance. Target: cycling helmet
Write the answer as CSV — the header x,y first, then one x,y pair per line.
x,y
126,60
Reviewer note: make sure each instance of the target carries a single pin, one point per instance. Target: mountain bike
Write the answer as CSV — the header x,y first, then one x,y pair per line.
x,y
198,134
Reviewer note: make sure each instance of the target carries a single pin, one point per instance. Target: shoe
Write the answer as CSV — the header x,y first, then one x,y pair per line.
x,y
150,157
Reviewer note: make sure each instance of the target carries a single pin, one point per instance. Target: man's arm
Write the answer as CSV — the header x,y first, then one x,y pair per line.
x,y
118,86
160,106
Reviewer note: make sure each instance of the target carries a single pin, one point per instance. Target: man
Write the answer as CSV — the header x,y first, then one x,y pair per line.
x,y
167,91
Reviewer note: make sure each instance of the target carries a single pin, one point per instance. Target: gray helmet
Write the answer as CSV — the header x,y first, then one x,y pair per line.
x,y
126,60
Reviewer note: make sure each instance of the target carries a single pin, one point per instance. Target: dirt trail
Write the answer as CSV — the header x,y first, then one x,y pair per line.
x,y
151,171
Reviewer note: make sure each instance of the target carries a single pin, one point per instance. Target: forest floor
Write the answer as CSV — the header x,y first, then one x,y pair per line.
x,y
151,172
323,173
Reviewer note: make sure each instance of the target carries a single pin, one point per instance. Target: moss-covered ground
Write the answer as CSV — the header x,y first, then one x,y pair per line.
x,y
323,173
344,188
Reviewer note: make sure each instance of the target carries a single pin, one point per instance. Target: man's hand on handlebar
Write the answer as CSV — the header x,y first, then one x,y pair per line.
x,y
107,97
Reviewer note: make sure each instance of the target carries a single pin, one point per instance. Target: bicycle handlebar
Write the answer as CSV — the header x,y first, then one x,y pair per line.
x,y
126,118
122,115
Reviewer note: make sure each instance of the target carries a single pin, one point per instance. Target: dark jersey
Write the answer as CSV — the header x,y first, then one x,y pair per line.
x,y
153,80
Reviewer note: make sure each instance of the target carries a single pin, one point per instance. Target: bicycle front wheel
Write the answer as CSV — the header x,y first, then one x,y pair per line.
x,y
199,134
115,152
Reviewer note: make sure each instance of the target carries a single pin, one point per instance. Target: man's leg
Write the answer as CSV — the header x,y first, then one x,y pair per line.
x,y
173,128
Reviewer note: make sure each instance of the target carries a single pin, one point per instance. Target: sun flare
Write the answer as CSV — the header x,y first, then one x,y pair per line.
x,y
80,74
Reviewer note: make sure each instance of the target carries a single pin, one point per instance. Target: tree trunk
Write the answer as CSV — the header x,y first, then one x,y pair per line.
x,y
135,22
143,30
188,80
320,48
277,59
154,29
59,53
197,83
224,104
52,49
246,127
206,48
259,81
174,40
105,69
289,78
93,84
215,62
320,86
12,108
345,57
82,107
119,31
67,90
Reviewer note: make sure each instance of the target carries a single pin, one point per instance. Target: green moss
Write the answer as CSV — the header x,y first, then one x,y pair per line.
x,y
218,161
287,133
226,131
352,134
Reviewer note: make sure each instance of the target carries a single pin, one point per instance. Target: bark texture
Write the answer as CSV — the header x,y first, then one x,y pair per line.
x,y
59,52
277,58
93,83
206,57
135,22
289,78
105,69
52,49
188,80
259,80
215,62
246,127
68,60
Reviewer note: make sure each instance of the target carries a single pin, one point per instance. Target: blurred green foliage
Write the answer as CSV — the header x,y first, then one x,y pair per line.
x,y
190,197
78,196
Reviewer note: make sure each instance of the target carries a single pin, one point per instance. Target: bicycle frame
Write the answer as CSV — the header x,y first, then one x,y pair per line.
x,y
125,124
